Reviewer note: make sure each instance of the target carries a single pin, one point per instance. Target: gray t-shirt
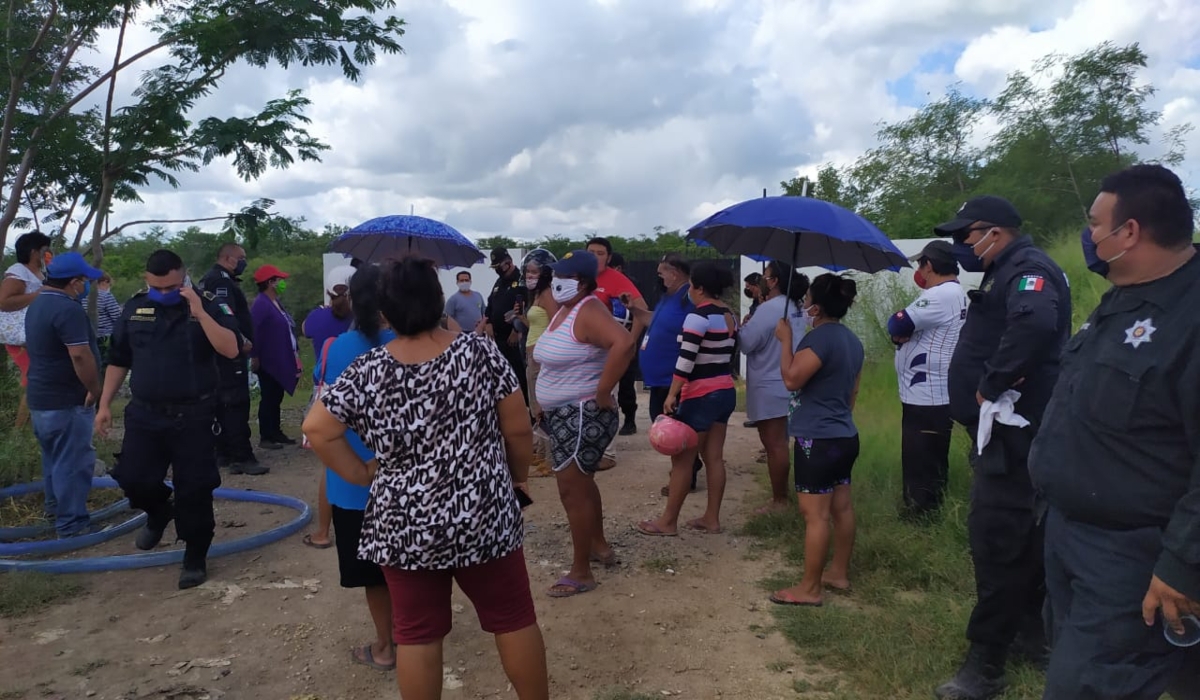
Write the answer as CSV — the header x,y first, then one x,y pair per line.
x,y
465,309
821,409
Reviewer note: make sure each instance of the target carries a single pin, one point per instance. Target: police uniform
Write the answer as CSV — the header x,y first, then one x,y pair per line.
x,y
171,418
233,396
506,294
1017,324
1118,462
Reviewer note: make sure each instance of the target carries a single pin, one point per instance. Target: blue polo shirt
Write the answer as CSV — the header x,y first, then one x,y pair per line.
x,y
660,347
53,322
344,350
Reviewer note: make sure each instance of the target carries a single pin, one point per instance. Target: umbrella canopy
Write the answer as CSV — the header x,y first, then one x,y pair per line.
x,y
802,230
390,236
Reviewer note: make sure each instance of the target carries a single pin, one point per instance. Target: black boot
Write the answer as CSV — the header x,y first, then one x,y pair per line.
x,y
156,523
629,428
1031,648
980,678
195,566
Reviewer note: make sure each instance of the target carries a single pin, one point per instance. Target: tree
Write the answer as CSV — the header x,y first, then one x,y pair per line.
x,y
156,135
486,244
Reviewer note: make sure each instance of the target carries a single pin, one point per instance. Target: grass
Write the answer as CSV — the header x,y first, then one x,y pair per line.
x,y
22,593
902,631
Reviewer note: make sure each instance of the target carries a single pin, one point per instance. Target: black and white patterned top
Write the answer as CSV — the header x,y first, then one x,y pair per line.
x,y
443,496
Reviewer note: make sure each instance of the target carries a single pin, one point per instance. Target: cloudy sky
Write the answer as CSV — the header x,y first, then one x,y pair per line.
x,y
535,117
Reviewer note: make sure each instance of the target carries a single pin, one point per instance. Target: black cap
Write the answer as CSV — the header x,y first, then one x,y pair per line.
x,y
499,255
994,210
936,251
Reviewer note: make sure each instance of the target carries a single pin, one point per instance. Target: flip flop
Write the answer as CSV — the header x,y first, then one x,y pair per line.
x,y
697,526
308,542
649,529
363,655
575,588
780,600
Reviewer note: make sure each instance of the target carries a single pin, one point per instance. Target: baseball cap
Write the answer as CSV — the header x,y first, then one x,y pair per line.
x,y
269,272
577,262
67,266
499,255
989,208
338,277
936,251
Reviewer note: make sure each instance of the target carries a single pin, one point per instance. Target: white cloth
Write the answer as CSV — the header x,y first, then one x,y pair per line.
x,y
338,276
1002,410
923,363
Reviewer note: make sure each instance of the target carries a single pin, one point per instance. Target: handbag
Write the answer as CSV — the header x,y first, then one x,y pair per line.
x,y
12,327
318,389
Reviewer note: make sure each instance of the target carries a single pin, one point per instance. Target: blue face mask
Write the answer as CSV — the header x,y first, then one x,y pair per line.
x,y
240,267
966,257
170,298
1090,256
87,289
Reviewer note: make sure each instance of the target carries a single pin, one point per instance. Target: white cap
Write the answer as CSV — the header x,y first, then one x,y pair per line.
x,y
339,275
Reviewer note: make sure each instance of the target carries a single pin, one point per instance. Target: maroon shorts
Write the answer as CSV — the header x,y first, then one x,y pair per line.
x,y
499,590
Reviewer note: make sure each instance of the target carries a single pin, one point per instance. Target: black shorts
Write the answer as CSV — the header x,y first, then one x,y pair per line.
x,y
355,572
823,464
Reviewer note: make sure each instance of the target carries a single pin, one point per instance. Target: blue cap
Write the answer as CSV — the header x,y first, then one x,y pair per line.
x,y
578,263
65,266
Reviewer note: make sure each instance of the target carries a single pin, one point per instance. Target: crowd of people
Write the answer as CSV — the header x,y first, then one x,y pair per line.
x,y
431,411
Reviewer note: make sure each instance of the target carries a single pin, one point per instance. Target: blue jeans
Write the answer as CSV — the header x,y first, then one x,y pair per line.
x,y
68,458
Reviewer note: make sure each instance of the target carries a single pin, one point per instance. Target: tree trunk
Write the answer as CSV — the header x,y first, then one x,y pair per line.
x,y
101,210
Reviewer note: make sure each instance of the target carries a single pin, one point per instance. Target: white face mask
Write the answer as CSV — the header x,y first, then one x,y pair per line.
x,y
464,286
806,312
531,282
564,290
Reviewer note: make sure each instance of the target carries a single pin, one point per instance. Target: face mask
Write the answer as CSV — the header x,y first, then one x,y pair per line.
x,y
806,312
564,290
87,289
750,293
966,256
170,298
46,258
464,286
281,287
1092,256
531,282
920,280
240,267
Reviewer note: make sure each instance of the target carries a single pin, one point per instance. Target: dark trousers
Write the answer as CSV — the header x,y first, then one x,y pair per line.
x,y
1096,579
627,391
269,420
925,433
1006,540
233,415
515,355
658,396
179,437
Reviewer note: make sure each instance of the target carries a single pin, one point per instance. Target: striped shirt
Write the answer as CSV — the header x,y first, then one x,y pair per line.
x,y
705,352
923,363
570,370
108,311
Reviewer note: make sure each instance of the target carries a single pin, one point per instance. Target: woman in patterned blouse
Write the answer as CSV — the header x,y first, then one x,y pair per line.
x,y
444,416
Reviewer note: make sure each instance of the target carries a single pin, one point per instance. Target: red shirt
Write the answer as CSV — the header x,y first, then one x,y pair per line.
x,y
611,284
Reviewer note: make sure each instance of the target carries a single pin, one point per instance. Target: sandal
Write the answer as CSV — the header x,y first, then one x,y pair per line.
x,y
648,528
308,542
787,599
363,655
573,588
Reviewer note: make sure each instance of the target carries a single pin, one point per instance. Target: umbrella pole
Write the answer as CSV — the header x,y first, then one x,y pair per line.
x,y
787,298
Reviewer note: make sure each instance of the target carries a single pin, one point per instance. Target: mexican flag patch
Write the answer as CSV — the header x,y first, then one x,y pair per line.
x,y
1031,283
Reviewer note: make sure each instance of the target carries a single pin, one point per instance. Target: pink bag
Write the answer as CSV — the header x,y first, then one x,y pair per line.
x,y
671,437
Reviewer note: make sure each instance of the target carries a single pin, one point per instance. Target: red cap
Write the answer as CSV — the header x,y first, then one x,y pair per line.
x,y
268,272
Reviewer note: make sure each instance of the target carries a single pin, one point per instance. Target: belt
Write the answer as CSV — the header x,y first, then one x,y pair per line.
x,y
175,408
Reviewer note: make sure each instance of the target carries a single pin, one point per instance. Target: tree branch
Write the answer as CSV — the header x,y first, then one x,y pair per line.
x,y
14,88
117,231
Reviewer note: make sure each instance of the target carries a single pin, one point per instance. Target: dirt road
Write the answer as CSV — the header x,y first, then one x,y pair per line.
x,y
680,617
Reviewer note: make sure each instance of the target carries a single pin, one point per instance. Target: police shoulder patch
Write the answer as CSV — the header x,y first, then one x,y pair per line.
x,y
921,303
221,292
209,296
225,308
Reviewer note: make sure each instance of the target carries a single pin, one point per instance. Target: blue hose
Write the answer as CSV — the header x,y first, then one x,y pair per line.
x,y
174,556
12,534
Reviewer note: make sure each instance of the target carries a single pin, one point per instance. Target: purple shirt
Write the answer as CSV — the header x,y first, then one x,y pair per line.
x,y
321,325
274,343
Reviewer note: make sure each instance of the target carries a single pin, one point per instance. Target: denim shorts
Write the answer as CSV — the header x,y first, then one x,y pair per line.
x,y
700,412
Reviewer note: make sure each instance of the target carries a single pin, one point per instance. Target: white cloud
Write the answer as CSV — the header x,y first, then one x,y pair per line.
x,y
536,117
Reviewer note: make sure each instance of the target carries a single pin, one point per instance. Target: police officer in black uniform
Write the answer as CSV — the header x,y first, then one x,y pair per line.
x,y
1118,455
233,397
1017,323
170,336
507,293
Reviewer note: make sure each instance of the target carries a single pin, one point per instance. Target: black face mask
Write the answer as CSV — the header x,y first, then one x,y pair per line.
x,y
749,293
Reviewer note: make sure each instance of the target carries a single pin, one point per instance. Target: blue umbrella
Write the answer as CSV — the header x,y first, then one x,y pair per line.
x,y
802,230
390,236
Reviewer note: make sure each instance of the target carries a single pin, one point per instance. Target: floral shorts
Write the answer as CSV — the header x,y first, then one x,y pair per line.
x,y
579,433
823,464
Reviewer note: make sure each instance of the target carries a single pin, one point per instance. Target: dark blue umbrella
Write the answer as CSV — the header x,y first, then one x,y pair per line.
x,y
802,230
391,236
